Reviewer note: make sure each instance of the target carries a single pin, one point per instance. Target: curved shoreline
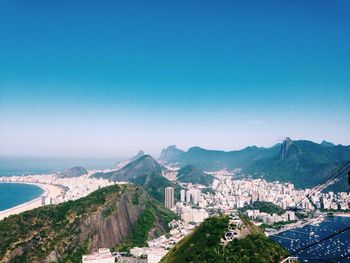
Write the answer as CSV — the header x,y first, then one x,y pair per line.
x,y
49,190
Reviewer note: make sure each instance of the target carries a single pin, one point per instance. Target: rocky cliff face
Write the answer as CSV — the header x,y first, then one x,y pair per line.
x,y
102,231
171,153
285,147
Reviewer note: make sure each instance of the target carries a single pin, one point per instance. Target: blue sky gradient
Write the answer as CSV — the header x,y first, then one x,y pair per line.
x,y
106,78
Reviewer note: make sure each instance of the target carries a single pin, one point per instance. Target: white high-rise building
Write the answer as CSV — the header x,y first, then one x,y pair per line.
x,y
188,197
183,195
169,197
196,195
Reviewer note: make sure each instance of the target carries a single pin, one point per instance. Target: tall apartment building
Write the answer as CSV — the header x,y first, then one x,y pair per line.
x,y
182,194
169,197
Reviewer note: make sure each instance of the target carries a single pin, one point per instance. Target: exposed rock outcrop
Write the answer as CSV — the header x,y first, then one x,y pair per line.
x,y
170,153
285,146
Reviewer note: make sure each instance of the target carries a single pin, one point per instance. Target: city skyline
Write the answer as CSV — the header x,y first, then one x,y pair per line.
x,y
86,79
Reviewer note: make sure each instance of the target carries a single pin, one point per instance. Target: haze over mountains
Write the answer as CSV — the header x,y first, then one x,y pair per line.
x,y
121,164
301,162
304,163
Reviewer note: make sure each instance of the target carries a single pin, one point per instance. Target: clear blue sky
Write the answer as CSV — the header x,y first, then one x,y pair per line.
x,y
107,78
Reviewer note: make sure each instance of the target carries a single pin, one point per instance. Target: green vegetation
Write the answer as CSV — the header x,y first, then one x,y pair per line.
x,y
201,245
277,225
204,246
253,229
266,207
135,199
146,172
253,248
191,174
208,190
144,224
155,185
139,232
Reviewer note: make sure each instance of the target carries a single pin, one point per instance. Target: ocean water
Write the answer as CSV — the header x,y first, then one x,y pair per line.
x,y
12,195
26,166
335,249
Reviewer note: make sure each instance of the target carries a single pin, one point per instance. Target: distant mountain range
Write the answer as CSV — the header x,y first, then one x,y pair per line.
x,y
304,163
301,162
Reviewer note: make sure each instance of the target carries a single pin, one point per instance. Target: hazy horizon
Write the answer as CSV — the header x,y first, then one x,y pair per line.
x,y
156,155
90,79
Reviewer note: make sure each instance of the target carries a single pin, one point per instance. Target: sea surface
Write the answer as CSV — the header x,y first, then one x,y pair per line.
x,y
12,194
26,166
335,249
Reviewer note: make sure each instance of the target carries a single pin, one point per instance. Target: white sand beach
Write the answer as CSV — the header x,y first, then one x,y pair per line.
x,y
347,214
49,190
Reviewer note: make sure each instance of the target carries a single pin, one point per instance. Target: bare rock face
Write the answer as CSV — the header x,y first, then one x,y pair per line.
x,y
285,146
107,231
18,251
52,257
170,153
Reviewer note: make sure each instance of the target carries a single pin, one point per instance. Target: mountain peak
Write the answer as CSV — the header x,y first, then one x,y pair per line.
x,y
195,148
146,164
121,164
285,146
146,158
170,153
327,144
138,155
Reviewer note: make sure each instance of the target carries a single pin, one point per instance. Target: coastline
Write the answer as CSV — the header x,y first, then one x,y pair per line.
x,y
346,214
49,190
